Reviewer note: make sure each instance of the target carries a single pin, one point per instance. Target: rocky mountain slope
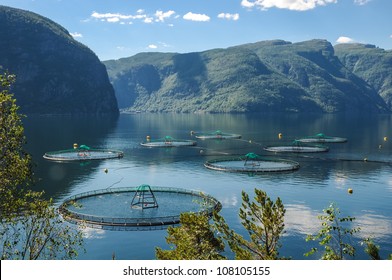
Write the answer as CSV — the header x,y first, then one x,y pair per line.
x,y
267,76
372,64
55,73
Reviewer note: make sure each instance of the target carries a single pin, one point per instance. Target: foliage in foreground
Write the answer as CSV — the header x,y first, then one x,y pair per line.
x,y
195,238
373,250
333,236
263,219
30,227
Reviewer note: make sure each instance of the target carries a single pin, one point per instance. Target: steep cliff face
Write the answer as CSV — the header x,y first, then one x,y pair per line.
x,y
55,73
314,66
268,76
372,64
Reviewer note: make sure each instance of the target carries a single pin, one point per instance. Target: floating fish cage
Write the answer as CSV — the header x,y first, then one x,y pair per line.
x,y
217,135
135,208
168,141
297,147
82,153
251,163
322,138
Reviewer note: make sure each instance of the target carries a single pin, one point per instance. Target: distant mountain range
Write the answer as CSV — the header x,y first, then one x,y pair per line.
x,y
58,75
55,73
267,76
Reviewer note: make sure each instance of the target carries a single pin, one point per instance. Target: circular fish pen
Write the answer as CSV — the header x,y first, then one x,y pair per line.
x,y
168,141
297,147
322,138
217,135
135,208
82,153
251,163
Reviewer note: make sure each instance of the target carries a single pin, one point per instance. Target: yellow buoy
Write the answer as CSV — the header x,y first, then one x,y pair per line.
x,y
280,135
350,191
385,138
75,145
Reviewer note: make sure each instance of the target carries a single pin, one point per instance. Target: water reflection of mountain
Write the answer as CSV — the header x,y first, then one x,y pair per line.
x,y
52,133
322,178
258,131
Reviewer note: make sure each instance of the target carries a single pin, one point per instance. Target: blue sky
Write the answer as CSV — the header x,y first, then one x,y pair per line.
x,y
122,28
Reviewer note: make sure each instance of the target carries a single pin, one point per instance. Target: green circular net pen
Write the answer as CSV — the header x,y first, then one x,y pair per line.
x,y
82,153
251,162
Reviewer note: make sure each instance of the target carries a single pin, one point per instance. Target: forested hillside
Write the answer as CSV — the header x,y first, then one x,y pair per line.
x,y
55,73
267,76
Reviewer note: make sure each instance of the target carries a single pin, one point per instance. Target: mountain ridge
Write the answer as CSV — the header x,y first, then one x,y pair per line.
x,y
266,76
55,73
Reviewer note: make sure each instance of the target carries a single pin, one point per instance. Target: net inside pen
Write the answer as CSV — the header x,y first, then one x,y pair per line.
x,y
296,149
252,163
217,135
79,155
321,138
168,142
114,209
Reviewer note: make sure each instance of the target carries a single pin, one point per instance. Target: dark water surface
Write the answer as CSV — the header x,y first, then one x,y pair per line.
x,y
323,178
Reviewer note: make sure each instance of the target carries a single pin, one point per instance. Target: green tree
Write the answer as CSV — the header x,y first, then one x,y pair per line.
x,y
194,239
30,227
373,250
264,221
333,236
15,167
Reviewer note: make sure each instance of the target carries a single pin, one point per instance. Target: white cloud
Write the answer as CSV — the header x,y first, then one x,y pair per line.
x,y
229,16
296,5
152,46
376,226
247,4
301,219
76,35
361,2
344,40
93,233
148,20
161,16
113,19
110,16
196,17
158,45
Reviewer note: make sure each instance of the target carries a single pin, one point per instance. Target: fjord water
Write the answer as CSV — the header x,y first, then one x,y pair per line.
x,y
362,164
